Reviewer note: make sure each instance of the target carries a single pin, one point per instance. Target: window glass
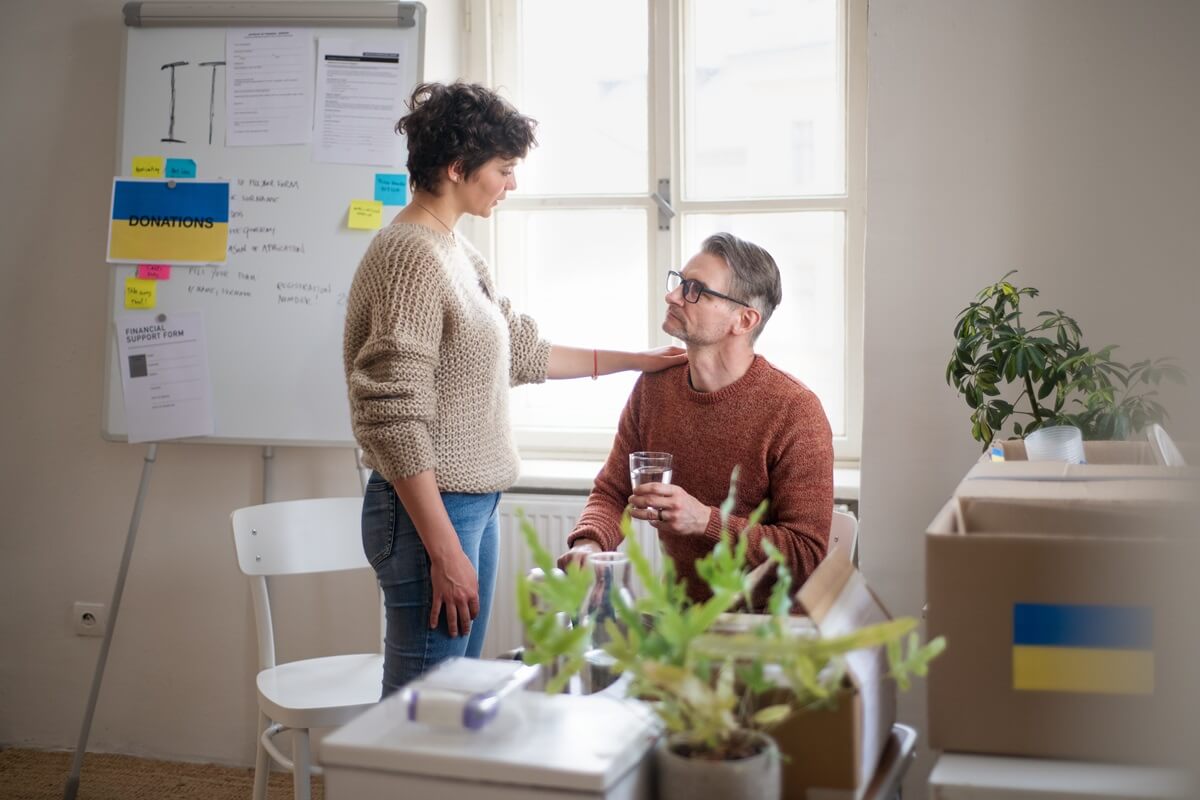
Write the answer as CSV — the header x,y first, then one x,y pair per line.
x,y
582,275
763,99
582,71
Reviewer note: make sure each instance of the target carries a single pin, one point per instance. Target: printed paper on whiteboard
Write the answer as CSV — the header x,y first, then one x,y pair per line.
x,y
360,95
164,375
268,87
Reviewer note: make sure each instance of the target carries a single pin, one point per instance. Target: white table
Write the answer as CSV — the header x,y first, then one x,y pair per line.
x,y
957,776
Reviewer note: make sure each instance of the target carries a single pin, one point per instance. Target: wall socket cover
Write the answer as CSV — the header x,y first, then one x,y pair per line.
x,y
90,619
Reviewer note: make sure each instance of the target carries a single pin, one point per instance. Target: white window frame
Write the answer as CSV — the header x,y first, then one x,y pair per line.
x,y
488,56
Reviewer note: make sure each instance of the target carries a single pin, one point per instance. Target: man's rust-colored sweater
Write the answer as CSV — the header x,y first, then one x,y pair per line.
x,y
769,424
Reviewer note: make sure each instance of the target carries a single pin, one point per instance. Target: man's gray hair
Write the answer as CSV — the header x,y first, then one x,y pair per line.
x,y
756,277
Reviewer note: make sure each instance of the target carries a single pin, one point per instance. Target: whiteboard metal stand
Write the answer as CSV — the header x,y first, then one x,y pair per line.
x,y
72,786
268,455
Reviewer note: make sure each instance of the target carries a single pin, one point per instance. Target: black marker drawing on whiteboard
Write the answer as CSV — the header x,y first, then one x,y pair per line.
x,y
171,126
212,93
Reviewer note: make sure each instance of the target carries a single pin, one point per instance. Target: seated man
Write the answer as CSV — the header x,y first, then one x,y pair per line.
x,y
725,407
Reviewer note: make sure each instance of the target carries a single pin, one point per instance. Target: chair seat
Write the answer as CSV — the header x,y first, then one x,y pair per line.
x,y
321,692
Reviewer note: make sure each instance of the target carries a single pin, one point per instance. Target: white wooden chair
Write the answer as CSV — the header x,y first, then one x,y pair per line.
x,y
843,538
843,535
294,538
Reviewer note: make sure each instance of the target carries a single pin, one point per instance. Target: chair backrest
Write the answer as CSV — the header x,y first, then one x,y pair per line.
x,y
294,537
843,534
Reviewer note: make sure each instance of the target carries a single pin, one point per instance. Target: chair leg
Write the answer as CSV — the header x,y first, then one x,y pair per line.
x,y
262,762
301,759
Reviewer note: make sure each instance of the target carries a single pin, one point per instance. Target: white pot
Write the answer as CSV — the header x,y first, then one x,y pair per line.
x,y
757,777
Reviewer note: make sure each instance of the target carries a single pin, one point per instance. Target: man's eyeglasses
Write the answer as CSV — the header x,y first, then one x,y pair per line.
x,y
692,289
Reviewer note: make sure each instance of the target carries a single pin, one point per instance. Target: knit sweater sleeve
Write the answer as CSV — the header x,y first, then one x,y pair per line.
x,y
530,355
391,376
601,517
801,492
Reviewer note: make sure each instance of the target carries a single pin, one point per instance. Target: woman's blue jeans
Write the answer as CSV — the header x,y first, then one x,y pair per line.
x,y
401,564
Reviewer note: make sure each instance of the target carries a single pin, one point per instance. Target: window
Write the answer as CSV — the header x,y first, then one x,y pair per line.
x,y
747,117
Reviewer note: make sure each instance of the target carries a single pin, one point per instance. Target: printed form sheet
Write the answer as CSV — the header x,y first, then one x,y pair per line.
x,y
268,87
361,89
164,374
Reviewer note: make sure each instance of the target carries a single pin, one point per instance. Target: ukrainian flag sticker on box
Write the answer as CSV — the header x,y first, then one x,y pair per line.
x,y
168,222
1083,648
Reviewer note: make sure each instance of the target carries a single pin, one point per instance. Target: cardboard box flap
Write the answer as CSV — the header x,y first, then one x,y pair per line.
x,y
836,749
1061,471
817,594
836,597
1173,489
975,516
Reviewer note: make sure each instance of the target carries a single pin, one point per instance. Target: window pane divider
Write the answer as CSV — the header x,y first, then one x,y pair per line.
x,y
732,206
526,203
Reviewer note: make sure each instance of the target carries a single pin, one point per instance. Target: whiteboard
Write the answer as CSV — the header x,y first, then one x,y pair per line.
x,y
274,312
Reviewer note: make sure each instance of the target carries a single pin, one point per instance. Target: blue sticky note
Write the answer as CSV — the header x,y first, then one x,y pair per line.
x,y
391,190
180,168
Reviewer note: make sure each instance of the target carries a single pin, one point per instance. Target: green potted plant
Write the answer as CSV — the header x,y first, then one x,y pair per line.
x,y
717,695
1056,379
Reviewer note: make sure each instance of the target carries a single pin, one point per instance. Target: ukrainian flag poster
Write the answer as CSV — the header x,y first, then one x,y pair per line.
x,y
168,222
1095,649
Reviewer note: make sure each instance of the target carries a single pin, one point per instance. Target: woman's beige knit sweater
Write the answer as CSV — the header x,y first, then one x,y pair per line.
x,y
430,352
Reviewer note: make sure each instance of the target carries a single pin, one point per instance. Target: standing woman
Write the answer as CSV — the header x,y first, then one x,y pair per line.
x,y
430,354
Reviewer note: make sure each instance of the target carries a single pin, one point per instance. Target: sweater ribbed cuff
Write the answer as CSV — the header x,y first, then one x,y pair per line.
x,y
713,531
591,535
540,362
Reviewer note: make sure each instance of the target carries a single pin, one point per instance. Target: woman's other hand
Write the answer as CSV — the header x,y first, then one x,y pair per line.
x,y
661,358
455,586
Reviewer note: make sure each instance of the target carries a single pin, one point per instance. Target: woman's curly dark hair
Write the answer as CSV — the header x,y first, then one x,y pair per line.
x,y
460,123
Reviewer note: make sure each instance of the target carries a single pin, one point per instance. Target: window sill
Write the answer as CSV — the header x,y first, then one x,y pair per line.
x,y
560,476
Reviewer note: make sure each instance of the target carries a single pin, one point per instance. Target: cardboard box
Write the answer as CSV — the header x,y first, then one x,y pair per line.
x,y
1047,581
833,753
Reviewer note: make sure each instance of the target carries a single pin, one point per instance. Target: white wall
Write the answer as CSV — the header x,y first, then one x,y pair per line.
x,y
1058,138
180,674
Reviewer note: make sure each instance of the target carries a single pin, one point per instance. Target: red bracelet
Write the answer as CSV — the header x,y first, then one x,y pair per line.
x,y
595,365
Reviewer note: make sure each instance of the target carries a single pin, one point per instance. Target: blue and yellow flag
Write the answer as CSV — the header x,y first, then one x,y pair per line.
x,y
1083,648
169,222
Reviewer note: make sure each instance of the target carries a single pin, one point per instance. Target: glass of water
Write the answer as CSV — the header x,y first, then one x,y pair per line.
x,y
649,467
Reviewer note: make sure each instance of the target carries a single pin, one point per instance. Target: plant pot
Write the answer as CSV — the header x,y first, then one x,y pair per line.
x,y
756,777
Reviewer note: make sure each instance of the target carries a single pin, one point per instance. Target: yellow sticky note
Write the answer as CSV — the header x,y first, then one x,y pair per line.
x,y
366,215
147,166
140,293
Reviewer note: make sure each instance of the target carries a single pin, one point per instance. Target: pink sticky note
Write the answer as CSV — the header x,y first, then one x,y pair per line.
x,y
154,272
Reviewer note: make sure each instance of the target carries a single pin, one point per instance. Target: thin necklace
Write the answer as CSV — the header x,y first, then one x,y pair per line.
x,y
435,216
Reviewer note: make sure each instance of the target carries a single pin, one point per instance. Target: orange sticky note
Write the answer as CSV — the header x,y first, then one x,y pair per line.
x,y
140,293
365,215
147,167
154,272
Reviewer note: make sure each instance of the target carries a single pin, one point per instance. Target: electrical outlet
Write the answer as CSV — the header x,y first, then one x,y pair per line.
x,y
91,619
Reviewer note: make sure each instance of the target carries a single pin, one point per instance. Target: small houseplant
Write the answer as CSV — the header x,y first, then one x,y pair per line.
x,y
1057,379
707,688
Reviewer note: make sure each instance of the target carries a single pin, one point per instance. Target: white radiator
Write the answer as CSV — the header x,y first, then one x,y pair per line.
x,y
553,517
